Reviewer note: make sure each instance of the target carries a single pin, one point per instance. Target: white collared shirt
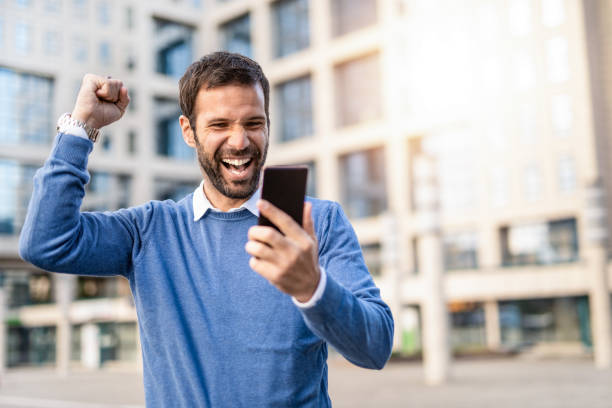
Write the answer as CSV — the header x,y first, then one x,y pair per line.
x,y
201,205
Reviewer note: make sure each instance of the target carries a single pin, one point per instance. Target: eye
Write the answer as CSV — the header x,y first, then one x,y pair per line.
x,y
218,125
254,124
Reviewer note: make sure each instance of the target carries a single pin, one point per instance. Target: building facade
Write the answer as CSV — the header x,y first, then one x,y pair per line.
x,y
510,99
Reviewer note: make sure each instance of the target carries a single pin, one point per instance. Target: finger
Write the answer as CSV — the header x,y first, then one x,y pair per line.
x,y
266,269
108,89
266,235
280,218
124,99
260,251
307,220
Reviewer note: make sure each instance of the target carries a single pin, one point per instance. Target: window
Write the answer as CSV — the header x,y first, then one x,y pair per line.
x,y
25,108
553,13
460,251
363,183
499,187
358,90
532,183
105,53
170,141
524,68
15,190
562,115
174,190
80,49
23,3
519,16
53,6
79,8
173,48
557,59
106,191
372,255
132,147
1,33
129,18
23,34
567,174
351,15
291,26
528,121
467,326
540,243
52,43
295,108
236,35
104,13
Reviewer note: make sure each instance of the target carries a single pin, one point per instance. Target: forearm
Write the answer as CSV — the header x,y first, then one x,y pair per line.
x,y
56,236
359,326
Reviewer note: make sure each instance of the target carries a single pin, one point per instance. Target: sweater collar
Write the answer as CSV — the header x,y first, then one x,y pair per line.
x,y
201,204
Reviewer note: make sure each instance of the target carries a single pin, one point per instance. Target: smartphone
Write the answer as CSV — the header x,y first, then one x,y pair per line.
x,y
285,187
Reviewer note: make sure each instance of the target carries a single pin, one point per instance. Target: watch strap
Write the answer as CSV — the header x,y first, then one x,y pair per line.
x,y
67,122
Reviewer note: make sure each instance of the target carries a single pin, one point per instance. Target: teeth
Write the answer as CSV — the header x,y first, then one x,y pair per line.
x,y
236,162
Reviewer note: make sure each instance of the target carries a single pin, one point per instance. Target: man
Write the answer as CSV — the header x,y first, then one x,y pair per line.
x,y
230,314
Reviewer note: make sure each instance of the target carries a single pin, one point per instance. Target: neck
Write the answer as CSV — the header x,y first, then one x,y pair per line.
x,y
220,201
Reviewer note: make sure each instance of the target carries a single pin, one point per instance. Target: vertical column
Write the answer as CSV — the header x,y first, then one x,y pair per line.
x,y
492,326
90,346
64,293
596,235
391,273
436,345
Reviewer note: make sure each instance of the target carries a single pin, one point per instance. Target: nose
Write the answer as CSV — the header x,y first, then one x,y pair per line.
x,y
238,138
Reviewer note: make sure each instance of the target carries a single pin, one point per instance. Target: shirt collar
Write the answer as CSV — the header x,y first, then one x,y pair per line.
x,y
201,204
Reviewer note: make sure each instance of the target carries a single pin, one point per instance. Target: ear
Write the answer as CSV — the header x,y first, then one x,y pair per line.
x,y
186,129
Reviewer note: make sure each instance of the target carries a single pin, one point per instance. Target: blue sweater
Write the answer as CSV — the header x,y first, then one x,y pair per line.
x,y
213,332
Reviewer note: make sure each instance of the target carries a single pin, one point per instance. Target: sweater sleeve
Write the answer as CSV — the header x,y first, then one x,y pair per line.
x,y
350,315
57,237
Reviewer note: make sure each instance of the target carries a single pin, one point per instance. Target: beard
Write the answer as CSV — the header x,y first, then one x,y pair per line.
x,y
212,167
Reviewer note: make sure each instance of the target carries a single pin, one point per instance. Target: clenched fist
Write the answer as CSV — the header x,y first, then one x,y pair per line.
x,y
101,101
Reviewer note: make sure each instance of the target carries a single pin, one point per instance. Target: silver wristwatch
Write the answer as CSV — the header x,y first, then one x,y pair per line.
x,y
66,121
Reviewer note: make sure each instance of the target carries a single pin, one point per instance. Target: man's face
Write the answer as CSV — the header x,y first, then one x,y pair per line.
x,y
231,137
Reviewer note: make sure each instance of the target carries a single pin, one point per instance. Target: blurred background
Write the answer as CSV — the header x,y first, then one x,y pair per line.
x,y
468,142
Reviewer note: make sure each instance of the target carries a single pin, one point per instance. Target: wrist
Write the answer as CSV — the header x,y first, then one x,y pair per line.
x,y
85,118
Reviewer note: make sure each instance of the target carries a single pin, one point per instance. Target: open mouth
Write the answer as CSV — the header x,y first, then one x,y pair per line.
x,y
237,166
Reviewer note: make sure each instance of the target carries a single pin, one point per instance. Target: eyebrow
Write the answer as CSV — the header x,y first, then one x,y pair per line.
x,y
221,119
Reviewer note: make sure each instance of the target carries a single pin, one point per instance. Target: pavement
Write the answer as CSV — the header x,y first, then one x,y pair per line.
x,y
499,383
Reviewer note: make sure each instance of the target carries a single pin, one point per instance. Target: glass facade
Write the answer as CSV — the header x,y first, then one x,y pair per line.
x,y
358,99
540,243
173,189
169,136
25,108
351,15
236,35
467,326
31,346
173,48
106,191
291,26
15,190
372,254
28,288
364,191
528,322
294,102
460,251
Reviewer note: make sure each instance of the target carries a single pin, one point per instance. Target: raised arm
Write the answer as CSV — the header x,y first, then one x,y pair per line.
x,y
56,236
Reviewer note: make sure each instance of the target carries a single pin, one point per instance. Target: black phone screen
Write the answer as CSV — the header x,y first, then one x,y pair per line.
x,y
285,187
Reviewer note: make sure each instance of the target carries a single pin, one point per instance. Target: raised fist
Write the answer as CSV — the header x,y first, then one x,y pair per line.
x,y
101,101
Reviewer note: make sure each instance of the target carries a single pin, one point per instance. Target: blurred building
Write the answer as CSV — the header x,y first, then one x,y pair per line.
x,y
511,99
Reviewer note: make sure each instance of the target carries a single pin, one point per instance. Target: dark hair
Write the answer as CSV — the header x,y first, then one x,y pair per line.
x,y
218,69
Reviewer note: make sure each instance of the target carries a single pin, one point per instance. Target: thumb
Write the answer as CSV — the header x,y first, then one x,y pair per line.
x,y
307,222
